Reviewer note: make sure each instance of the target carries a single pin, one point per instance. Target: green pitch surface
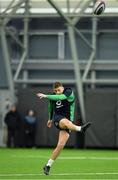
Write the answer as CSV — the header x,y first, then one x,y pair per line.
x,y
72,164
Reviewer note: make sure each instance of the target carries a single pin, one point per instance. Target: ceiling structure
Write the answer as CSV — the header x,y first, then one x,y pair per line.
x,y
67,6
71,11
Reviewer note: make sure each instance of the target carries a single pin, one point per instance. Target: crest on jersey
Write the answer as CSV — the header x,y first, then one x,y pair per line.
x,y
59,104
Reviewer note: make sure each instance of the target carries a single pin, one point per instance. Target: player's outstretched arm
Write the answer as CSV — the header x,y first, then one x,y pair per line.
x,y
41,95
54,97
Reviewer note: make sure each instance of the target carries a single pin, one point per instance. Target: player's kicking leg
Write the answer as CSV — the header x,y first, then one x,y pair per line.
x,y
66,124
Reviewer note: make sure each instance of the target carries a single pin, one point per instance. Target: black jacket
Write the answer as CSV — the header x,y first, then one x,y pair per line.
x,y
13,120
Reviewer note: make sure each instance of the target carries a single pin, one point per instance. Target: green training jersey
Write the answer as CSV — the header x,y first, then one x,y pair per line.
x,y
62,104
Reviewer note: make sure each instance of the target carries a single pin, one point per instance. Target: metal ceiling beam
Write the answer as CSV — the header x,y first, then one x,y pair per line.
x,y
102,81
7,64
26,27
7,17
14,38
56,15
67,65
93,54
83,8
68,6
70,21
77,6
25,53
78,80
69,81
56,32
20,65
83,37
8,7
88,66
60,12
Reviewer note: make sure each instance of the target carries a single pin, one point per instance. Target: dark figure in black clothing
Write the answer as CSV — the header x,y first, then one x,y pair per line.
x,y
30,129
12,121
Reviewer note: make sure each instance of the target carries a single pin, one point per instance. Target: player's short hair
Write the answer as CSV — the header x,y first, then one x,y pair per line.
x,y
57,85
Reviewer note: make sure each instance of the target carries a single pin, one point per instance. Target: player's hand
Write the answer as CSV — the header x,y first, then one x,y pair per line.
x,y
49,123
41,95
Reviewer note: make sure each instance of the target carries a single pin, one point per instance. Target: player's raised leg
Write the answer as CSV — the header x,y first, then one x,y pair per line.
x,y
66,124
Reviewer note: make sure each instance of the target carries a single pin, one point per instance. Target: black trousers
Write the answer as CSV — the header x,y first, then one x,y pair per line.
x,y
29,138
13,138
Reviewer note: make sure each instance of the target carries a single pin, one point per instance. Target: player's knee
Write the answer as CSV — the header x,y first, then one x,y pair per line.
x,y
68,124
64,123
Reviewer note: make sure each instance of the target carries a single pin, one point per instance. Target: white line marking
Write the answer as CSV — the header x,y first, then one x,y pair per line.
x,y
61,174
90,158
69,158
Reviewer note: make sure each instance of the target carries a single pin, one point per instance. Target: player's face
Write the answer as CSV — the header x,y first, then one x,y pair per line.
x,y
59,90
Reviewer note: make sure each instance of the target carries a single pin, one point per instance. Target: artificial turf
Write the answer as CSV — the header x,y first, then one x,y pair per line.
x,y
71,164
